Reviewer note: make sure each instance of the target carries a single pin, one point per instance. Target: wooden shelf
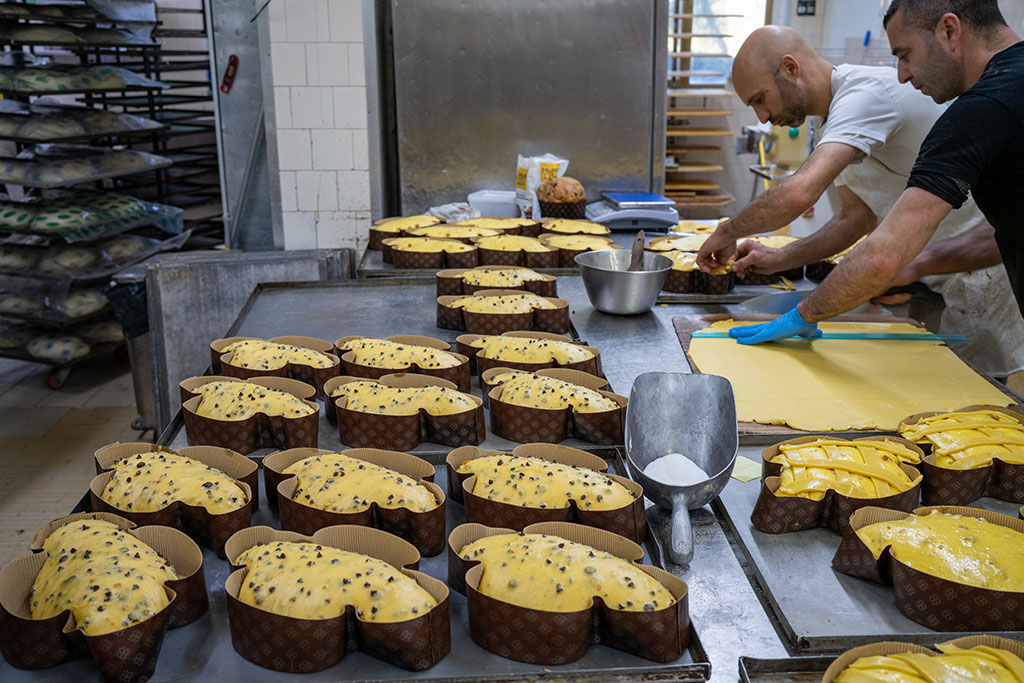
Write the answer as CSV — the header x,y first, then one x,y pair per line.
x,y
692,74
700,92
691,54
691,184
698,132
692,149
694,167
701,200
699,35
698,112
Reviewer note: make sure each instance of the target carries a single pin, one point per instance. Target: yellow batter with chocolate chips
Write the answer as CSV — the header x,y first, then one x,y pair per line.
x,y
397,225
311,581
538,483
512,243
234,401
578,242
339,483
856,473
257,354
452,231
379,399
979,664
501,277
530,350
538,391
967,550
568,226
505,303
968,440
147,482
555,575
107,578
389,355
497,223
428,245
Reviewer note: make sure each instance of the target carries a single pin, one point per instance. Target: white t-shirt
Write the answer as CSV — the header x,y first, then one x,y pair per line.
x,y
887,121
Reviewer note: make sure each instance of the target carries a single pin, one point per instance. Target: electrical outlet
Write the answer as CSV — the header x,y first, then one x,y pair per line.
x,y
805,8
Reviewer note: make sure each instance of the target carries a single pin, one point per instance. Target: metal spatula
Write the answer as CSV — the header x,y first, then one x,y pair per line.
x,y
637,257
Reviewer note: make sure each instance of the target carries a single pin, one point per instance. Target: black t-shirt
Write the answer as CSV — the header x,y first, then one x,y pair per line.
x,y
978,145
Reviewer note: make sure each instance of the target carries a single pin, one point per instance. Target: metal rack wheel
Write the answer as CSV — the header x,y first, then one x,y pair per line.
x,y
56,378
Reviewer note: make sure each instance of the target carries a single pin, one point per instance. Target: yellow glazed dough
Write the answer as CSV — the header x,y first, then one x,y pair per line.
x,y
108,579
979,664
371,397
849,451
967,550
538,391
774,241
683,260
148,482
512,243
310,581
397,225
497,223
696,226
428,245
530,350
537,483
856,473
339,483
506,303
577,242
266,355
517,571
679,243
833,385
234,401
966,441
452,231
381,353
501,277
568,226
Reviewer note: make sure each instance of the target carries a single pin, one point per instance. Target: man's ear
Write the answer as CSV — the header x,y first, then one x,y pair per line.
x,y
790,66
948,31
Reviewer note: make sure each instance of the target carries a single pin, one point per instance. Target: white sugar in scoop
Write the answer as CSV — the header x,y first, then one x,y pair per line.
x,y
675,469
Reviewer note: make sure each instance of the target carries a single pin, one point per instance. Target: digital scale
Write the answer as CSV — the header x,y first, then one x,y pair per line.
x,y
634,211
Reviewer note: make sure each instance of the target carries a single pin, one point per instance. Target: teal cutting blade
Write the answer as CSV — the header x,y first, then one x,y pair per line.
x,y
885,336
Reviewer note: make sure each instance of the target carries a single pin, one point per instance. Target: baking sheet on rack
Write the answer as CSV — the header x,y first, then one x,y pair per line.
x,y
858,611
203,651
792,670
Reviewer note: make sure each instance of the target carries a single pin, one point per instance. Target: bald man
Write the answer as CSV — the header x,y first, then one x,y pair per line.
x,y
870,127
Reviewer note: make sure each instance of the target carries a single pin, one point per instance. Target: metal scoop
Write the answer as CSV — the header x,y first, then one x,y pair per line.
x,y
695,415
636,257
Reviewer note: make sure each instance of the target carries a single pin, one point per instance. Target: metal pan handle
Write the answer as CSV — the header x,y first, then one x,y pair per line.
x,y
681,539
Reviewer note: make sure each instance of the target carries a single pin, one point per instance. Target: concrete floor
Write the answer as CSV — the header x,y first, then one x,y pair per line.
x,y
47,438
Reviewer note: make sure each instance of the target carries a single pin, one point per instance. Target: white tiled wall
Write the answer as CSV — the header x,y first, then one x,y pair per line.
x,y
319,118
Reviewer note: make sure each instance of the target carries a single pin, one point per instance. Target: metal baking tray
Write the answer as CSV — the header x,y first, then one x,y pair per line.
x,y
794,572
792,670
203,651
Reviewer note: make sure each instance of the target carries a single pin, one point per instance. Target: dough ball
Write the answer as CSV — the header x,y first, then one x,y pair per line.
x,y
81,302
564,189
51,128
67,259
14,171
65,217
40,80
18,258
124,246
58,347
67,172
100,78
105,332
20,303
120,161
118,205
16,215
39,33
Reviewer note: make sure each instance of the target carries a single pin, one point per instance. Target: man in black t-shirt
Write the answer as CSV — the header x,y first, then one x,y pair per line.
x,y
947,49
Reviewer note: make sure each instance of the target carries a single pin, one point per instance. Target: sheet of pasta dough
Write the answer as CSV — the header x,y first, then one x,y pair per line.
x,y
841,384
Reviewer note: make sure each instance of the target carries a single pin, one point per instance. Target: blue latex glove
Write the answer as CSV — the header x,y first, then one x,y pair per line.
x,y
791,324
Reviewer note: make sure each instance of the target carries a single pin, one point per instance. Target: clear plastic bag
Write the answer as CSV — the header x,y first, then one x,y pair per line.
x,y
57,78
48,166
42,122
87,215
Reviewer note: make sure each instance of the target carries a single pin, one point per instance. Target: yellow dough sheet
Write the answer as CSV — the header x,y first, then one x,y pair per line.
x,y
842,384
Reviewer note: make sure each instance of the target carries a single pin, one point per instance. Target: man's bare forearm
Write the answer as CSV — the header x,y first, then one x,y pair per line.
x,y
838,234
869,268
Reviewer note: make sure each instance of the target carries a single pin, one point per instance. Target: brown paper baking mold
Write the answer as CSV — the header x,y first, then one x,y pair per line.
x,y
554,320
450,282
315,377
571,210
127,655
707,283
680,281
526,425
774,514
894,648
550,638
939,604
816,272
480,365
774,469
206,528
429,259
257,431
945,486
628,521
405,432
458,375
425,530
378,236
567,257
295,645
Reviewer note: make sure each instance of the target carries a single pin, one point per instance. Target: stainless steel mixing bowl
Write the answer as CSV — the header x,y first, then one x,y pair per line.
x,y
614,289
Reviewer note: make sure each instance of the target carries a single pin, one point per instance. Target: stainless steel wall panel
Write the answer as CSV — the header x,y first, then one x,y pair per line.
x,y
479,81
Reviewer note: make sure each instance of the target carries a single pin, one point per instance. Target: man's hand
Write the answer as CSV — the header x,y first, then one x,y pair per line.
x,y
911,273
757,258
718,249
791,324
